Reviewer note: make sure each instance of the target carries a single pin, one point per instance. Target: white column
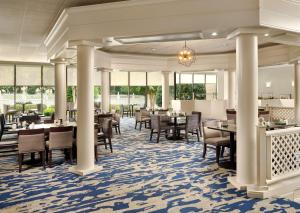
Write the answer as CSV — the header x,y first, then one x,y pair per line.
x,y
222,88
297,92
247,111
231,89
105,93
85,110
60,89
165,89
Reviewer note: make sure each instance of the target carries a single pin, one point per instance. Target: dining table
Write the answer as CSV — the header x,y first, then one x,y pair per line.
x,y
176,120
232,130
41,126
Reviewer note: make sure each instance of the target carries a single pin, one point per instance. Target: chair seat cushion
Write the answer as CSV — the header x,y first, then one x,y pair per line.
x,y
114,122
217,141
211,133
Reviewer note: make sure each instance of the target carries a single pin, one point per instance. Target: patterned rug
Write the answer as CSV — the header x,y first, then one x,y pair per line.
x,y
140,176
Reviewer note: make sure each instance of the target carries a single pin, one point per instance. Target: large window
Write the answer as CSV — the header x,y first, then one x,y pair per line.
x,y
6,87
97,88
138,88
119,88
154,83
197,86
48,91
28,87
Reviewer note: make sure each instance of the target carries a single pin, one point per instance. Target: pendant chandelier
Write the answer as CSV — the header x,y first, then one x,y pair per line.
x,y
186,56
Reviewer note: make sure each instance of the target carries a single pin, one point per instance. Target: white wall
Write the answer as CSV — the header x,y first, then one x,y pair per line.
x,y
281,78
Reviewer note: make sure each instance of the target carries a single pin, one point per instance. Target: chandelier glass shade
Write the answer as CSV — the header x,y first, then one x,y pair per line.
x,y
186,56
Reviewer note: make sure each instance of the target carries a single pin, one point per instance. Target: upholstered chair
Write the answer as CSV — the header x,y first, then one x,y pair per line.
x,y
101,137
158,125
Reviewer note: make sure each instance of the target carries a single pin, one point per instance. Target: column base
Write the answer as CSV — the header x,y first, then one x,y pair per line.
x,y
233,181
74,170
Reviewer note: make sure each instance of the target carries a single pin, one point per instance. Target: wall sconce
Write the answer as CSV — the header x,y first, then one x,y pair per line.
x,y
293,83
268,84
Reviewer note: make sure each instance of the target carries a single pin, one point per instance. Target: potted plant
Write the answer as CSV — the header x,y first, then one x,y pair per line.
x,y
152,97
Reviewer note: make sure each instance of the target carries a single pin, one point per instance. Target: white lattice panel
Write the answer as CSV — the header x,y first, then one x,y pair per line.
x,y
278,113
285,150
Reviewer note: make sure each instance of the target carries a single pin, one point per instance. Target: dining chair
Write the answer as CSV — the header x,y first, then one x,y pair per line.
x,y
125,110
265,115
142,117
34,118
31,141
101,137
214,139
7,147
191,126
158,126
116,122
5,134
60,138
199,122
231,115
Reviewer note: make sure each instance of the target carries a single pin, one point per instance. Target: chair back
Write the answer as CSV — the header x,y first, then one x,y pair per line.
x,y
61,137
2,124
102,117
107,128
155,122
199,116
31,140
162,111
34,118
265,115
210,133
192,122
231,115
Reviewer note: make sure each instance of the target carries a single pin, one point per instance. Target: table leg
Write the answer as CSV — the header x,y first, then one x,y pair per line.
x,y
232,148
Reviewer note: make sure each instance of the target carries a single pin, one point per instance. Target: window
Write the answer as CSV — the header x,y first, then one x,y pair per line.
x,y
199,87
154,81
196,85
138,88
97,87
48,91
119,88
28,87
71,87
6,86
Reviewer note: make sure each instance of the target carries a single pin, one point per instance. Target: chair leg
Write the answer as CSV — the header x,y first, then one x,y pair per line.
x,y
186,136
105,144
204,150
151,134
135,124
198,135
96,153
110,145
50,158
218,151
71,155
43,159
119,129
20,162
158,136
141,125
32,156
222,151
116,129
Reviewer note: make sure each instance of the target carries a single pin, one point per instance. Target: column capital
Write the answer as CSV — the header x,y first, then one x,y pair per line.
x,y
247,30
295,61
59,61
85,43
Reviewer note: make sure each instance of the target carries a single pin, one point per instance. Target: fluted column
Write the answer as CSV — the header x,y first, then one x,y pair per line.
x,y
60,89
165,89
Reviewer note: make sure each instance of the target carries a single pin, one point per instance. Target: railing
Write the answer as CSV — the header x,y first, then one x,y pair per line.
x,y
278,162
282,113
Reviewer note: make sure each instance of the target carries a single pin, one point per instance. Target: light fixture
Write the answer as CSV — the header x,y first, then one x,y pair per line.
x,y
266,34
186,56
214,34
268,84
293,83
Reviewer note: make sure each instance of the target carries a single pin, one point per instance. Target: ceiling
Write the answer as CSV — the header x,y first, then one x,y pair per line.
x,y
24,25
171,48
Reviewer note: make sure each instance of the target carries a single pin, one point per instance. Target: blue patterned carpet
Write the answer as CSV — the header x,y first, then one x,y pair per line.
x,y
139,176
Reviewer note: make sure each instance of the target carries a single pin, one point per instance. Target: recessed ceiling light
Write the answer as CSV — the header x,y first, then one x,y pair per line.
x,y
266,34
214,34
153,49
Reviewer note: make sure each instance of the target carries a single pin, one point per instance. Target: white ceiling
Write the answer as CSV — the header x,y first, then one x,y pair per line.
x,y
24,25
171,48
